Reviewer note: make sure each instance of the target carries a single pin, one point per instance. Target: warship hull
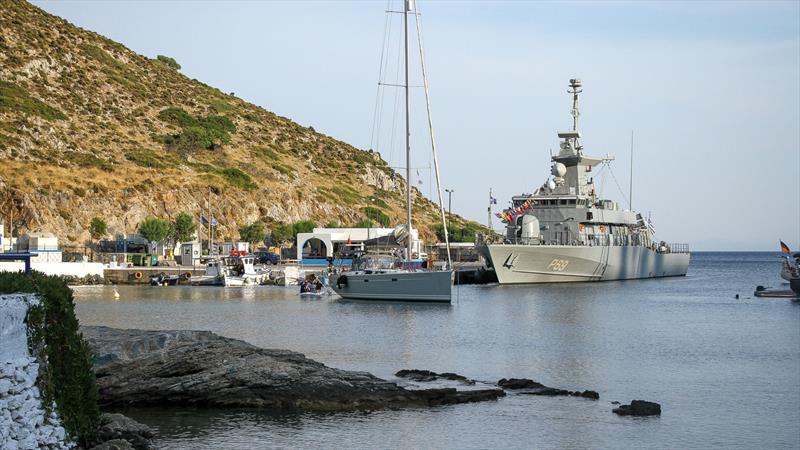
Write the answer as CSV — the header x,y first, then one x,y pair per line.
x,y
521,264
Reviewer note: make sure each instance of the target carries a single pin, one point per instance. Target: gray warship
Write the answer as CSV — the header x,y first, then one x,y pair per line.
x,y
564,232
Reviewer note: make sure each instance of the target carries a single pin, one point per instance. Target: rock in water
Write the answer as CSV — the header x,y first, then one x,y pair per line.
x,y
135,367
639,408
519,383
117,427
427,375
530,387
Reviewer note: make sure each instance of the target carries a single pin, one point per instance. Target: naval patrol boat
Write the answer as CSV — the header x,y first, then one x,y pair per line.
x,y
564,232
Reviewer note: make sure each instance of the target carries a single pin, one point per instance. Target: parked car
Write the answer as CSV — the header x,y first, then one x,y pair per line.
x,y
267,258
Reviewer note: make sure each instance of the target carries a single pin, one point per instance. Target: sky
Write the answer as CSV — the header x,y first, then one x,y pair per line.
x,y
710,90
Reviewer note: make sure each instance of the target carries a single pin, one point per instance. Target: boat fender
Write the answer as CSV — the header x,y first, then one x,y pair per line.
x,y
341,281
137,275
187,275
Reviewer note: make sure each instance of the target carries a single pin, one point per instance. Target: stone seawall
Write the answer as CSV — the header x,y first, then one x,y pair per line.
x,y
24,422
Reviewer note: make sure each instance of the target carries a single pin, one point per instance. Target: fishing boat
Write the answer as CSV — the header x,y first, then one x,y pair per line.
x,y
213,276
230,271
241,271
398,279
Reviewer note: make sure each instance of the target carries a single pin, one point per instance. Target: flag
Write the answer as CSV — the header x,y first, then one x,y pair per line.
x,y
204,220
419,178
492,200
784,248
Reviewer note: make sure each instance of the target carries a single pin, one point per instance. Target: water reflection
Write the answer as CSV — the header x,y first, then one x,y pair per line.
x,y
685,342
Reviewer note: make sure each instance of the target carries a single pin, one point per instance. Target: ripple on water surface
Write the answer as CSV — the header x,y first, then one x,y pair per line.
x,y
726,371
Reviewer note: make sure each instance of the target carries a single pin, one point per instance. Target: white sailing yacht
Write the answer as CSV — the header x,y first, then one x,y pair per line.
x,y
382,278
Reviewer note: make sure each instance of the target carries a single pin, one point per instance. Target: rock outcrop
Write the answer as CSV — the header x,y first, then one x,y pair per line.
x,y
427,375
639,408
530,387
198,368
122,432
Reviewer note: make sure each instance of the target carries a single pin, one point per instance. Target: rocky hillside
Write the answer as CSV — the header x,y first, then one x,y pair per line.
x,y
89,128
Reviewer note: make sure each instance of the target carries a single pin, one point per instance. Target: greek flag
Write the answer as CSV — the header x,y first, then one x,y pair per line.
x,y
204,220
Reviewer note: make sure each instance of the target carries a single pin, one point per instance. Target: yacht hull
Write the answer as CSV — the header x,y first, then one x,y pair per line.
x,y
414,286
521,264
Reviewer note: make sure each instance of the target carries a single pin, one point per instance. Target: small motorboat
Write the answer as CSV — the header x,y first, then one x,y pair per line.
x,y
163,279
313,286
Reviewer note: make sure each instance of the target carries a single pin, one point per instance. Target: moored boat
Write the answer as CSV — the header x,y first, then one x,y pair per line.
x,y
400,282
564,232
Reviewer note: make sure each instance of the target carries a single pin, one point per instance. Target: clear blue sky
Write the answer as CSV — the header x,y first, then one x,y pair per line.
x,y
712,90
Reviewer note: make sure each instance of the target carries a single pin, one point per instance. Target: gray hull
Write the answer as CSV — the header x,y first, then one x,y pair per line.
x,y
518,264
421,286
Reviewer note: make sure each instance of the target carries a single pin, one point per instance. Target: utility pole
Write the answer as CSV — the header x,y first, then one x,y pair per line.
x,y
449,205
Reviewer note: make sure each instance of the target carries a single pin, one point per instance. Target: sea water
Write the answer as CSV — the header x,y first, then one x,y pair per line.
x,y
725,370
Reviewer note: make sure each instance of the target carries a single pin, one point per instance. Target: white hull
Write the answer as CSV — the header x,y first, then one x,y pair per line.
x,y
421,286
245,280
519,264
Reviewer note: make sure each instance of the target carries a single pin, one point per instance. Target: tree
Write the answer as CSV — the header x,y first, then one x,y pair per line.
x,y
252,233
184,227
154,229
288,232
303,226
98,228
282,233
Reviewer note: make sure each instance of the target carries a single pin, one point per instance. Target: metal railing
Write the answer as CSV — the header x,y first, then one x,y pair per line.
x,y
677,248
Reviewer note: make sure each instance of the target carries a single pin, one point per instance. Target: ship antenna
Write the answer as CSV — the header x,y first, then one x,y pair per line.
x,y
575,86
630,187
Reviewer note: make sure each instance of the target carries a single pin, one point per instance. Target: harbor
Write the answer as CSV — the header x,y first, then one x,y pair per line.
x,y
686,343
277,233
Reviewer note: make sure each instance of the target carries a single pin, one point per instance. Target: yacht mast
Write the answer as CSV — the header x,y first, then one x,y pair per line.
x,y
433,143
406,9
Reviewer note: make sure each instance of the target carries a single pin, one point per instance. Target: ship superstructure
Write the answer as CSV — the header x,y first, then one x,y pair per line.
x,y
564,231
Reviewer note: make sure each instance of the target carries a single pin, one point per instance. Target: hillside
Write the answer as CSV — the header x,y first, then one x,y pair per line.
x,y
90,128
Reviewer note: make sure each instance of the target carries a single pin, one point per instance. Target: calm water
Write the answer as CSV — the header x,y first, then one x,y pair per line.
x,y
726,371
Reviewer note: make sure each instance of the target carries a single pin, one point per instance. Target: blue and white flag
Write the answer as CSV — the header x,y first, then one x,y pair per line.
x,y
204,220
492,200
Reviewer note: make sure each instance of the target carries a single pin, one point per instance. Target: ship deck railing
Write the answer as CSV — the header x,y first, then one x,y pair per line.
x,y
675,248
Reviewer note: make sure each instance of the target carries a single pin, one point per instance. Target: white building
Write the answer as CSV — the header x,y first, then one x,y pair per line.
x,y
44,245
324,243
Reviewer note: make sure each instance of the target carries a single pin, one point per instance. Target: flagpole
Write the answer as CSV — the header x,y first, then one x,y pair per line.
x,y
489,216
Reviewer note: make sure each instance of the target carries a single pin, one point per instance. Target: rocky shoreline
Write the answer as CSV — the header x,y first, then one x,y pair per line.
x,y
200,368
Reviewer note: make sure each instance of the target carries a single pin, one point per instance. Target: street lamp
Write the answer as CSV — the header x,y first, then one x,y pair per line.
x,y
449,207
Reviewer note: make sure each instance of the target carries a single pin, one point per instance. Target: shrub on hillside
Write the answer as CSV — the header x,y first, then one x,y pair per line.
x,y
238,178
169,62
196,132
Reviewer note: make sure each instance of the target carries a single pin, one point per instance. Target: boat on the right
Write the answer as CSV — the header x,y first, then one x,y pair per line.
x,y
565,232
